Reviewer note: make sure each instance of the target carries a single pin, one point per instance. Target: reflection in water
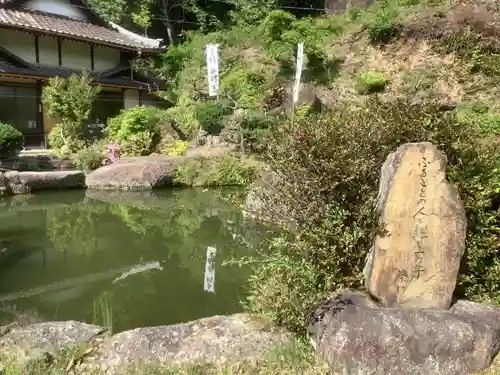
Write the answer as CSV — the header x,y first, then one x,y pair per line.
x,y
59,286
138,269
68,253
209,279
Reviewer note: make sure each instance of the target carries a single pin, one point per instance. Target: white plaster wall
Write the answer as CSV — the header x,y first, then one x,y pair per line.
x,y
47,50
19,43
61,7
130,98
75,55
105,58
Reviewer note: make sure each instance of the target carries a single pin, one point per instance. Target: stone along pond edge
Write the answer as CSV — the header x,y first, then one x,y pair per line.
x,y
135,174
213,339
128,174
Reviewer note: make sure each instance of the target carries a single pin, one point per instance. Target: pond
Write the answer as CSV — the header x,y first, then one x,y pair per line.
x,y
123,259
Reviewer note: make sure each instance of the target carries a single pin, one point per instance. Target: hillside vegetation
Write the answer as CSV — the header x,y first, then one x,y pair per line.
x,y
396,48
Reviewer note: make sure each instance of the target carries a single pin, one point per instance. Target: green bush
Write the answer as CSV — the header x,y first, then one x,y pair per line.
x,y
211,116
63,141
485,121
136,129
480,52
11,140
69,100
177,148
384,25
371,82
330,164
90,158
276,24
225,170
55,137
256,129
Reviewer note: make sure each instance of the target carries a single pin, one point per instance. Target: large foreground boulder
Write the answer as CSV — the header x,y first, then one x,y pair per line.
x,y
217,338
13,182
359,337
141,173
25,343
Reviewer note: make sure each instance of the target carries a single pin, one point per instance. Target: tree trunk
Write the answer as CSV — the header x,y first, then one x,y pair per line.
x,y
167,23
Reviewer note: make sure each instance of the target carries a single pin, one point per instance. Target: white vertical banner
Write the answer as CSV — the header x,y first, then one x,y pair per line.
x,y
212,56
298,71
209,282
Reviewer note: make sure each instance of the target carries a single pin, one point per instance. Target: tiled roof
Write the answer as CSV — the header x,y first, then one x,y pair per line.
x,y
73,28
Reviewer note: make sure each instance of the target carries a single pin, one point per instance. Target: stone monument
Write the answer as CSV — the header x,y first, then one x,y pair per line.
x,y
415,262
406,324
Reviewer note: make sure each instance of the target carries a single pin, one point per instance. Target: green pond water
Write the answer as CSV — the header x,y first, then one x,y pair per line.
x,y
123,260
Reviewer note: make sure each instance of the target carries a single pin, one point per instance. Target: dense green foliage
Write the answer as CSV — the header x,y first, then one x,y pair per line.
x,y
225,170
11,140
136,129
210,116
90,158
69,101
171,18
370,82
331,164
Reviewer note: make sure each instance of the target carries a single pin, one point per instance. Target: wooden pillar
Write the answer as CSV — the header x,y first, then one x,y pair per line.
x,y
39,113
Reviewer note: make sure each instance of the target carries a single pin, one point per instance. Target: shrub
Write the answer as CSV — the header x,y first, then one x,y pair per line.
x,y
486,122
481,53
60,139
56,137
276,24
226,170
330,164
211,116
70,101
177,148
90,158
384,25
136,129
371,82
256,129
11,140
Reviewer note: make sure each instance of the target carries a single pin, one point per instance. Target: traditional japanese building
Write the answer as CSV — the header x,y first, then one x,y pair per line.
x,y
40,39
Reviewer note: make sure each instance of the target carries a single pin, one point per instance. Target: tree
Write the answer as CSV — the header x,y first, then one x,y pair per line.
x,y
70,101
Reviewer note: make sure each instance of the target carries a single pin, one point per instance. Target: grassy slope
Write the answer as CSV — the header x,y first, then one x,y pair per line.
x,y
443,51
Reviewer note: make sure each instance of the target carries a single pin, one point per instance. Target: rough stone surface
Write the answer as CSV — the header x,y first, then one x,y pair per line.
x,y
13,182
146,172
416,261
134,174
216,338
362,338
26,342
